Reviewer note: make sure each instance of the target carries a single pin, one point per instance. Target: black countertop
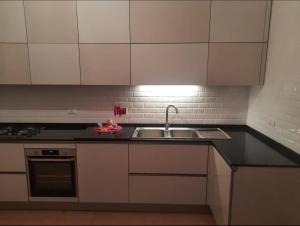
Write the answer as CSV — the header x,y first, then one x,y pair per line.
x,y
246,148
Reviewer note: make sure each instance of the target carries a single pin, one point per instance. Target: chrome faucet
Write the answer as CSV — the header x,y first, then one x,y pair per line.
x,y
167,125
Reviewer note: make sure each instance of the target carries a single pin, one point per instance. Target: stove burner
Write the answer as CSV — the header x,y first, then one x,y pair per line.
x,y
3,131
17,131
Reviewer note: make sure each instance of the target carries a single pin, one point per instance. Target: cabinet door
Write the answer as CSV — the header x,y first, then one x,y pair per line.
x,y
234,63
168,190
54,64
14,64
169,21
168,159
12,158
13,188
103,172
238,21
169,64
266,196
218,187
98,64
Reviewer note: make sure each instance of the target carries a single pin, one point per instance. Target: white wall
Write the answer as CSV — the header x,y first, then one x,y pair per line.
x,y
197,104
274,109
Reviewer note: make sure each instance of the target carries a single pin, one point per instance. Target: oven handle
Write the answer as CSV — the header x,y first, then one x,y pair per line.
x,y
51,160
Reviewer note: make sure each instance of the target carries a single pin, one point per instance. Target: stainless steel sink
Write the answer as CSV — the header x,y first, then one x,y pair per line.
x,y
183,133
150,133
179,133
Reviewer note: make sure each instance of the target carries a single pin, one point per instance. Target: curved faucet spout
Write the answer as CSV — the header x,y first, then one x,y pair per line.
x,y
167,125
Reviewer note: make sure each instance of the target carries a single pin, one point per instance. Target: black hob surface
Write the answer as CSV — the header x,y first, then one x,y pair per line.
x,y
12,131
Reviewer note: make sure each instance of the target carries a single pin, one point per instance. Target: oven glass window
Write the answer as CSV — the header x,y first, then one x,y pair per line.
x,y
52,178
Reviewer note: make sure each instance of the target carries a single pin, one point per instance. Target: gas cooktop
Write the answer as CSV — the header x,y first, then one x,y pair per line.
x,y
18,131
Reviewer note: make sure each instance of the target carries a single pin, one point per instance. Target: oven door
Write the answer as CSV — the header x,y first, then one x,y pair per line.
x,y
52,177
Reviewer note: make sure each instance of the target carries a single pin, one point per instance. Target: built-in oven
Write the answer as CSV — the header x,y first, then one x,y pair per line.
x,y
52,174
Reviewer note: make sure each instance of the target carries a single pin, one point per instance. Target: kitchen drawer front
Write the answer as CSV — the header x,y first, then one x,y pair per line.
x,y
12,158
168,159
13,188
185,190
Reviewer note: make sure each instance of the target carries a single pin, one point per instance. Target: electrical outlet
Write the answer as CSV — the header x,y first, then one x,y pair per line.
x,y
272,122
73,112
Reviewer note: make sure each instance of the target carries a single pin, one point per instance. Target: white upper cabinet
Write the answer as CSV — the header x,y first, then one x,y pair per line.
x,y
103,21
168,64
51,21
238,48
14,64
169,21
105,64
12,22
138,42
54,64
234,63
237,21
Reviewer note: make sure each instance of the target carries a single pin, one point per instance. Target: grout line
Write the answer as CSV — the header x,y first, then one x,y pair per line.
x,y
27,43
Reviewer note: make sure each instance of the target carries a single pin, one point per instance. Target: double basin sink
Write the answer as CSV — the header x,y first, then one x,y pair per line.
x,y
179,133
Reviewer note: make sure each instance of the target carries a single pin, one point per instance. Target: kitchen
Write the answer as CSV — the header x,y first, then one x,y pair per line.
x,y
156,110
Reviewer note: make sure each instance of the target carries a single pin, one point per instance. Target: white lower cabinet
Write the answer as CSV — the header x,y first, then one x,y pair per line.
x,y
218,187
168,159
167,190
103,173
167,174
13,188
266,196
13,180
252,195
12,158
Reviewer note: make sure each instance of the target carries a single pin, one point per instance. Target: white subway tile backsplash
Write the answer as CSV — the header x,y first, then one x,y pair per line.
x,y
52,104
